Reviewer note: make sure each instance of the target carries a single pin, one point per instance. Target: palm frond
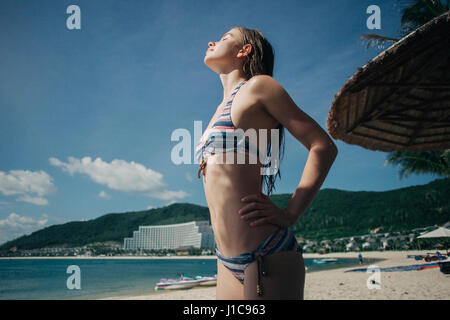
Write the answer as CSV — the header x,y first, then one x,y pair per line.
x,y
428,162
420,12
414,14
376,40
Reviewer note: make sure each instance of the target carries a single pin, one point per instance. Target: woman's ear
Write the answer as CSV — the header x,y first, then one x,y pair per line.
x,y
248,48
245,51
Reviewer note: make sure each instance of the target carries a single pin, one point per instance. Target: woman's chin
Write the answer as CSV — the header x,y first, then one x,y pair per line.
x,y
208,63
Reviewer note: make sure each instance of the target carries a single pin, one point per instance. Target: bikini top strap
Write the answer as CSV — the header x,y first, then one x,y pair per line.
x,y
234,93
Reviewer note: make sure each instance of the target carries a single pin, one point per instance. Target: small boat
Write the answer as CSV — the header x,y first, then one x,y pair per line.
x,y
324,260
431,266
207,281
183,282
319,261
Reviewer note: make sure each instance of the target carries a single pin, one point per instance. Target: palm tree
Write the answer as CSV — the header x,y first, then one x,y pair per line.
x,y
416,14
420,12
434,162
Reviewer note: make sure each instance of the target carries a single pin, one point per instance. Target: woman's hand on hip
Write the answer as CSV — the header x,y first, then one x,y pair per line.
x,y
261,210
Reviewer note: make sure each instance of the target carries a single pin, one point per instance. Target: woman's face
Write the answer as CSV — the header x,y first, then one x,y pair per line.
x,y
225,51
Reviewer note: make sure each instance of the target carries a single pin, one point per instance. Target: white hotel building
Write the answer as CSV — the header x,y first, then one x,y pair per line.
x,y
197,234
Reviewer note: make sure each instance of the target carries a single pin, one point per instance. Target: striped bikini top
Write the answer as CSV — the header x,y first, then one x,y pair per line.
x,y
223,136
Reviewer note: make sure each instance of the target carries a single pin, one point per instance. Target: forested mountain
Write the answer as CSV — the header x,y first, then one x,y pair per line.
x,y
333,213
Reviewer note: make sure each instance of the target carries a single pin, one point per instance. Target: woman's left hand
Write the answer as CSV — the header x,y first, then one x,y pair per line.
x,y
265,211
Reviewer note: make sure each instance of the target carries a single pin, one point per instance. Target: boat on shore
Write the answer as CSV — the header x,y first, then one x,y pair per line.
x,y
207,281
185,282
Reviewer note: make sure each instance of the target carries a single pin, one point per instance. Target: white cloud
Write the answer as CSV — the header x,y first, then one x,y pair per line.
x,y
15,226
104,195
130,177
189,177
151,207
170,202
34,200
28,185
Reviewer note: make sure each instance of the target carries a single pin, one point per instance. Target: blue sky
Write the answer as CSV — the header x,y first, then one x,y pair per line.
x,y
86,116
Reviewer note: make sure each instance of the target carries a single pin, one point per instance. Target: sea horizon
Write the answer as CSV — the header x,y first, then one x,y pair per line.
x,y
46,278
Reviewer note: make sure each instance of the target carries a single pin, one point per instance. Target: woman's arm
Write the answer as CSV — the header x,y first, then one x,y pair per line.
x,y
322,150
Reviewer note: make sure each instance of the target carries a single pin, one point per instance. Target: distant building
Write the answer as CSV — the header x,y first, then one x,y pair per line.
x,y
351,246
309,245
325,243
196,234
369,245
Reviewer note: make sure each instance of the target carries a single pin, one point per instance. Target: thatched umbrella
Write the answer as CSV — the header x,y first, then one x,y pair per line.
x,y
400,100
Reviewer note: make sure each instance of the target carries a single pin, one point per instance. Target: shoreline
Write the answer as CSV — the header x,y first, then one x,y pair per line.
x,y
112,257
349,254
337,284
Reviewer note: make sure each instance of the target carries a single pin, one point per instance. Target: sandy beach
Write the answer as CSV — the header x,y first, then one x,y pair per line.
x,y
336,284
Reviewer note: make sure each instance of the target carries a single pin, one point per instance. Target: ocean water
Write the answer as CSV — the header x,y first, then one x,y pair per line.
x,y
46,279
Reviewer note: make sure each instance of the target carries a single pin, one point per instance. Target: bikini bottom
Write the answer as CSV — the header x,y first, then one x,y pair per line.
x,y
281,240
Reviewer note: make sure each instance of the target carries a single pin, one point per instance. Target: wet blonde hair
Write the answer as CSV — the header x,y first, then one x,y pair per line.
x,y
261,61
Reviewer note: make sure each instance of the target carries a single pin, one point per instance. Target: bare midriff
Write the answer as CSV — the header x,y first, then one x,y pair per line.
x,y
225,184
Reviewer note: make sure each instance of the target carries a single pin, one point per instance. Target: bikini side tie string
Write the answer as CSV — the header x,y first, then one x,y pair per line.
x,y
261,272
201,168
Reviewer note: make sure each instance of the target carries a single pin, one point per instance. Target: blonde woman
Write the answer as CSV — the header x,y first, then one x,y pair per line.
x,y
258,256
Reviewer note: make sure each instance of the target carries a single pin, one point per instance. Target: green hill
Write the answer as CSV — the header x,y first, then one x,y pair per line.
x,y
110,227
332,214
336,213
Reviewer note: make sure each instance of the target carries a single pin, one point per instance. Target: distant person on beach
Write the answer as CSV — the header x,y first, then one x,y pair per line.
x,y
360,258
258,256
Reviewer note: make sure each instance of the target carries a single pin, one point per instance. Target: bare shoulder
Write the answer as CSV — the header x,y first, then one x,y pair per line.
x,y
262,79
264,85
277,102
267,91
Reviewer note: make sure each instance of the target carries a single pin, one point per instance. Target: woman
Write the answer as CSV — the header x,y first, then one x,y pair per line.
x,y
258,256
